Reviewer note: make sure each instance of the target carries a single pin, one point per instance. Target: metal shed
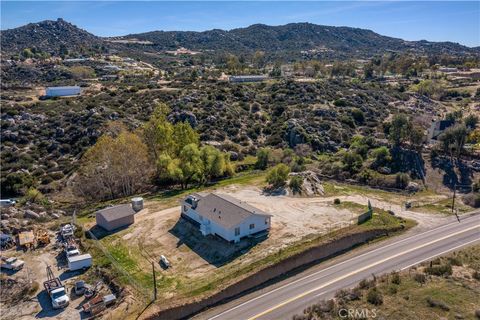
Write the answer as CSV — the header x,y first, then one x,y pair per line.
x,y
62,91
115,217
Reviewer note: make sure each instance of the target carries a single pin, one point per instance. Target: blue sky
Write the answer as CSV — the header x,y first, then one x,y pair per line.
x,y
411,20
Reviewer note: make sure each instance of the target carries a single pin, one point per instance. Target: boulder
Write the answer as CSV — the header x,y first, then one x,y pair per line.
x,y
29,214
55,216
412,187
233,155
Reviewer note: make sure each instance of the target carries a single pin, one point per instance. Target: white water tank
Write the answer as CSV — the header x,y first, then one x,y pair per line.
x,y
137,204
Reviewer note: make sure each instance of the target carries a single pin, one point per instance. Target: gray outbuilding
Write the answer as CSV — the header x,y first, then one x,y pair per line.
x,y
115,217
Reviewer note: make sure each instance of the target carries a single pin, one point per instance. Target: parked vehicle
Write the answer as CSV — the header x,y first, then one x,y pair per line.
x,y
7,202
164,261
79,287
6,241
78,262
98,304
12,263
71,252
67,231
56,290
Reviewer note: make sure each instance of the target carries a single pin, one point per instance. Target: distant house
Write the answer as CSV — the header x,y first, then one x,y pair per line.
x,y
225,216
250,78
62,91
437,128
115,217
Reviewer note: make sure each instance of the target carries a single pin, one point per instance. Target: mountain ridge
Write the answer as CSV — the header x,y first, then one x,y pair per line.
x,y
49,35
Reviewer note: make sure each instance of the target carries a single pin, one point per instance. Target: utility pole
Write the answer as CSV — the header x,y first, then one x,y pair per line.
x,y
154,282
453,201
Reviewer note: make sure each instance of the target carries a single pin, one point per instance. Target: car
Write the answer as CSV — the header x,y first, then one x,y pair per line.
x,y
79,287
164,261
12,263
7,203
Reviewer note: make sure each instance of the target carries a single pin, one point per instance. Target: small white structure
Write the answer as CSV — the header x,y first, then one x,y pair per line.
x,y
137,204
78,262
62,91
225,216
249,78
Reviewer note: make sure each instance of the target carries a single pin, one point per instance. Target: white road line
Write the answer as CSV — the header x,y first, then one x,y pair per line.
x,y
333,266
439,254
357,271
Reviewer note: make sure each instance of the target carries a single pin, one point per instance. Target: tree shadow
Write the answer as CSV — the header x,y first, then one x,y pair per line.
x,y
451,179
211,248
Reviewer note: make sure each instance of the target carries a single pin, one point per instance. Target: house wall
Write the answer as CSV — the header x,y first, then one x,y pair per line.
x,y
229,234
57,92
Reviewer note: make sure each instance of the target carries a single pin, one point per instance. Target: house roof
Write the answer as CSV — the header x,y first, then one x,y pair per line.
x,y
225,210
64,87
116,212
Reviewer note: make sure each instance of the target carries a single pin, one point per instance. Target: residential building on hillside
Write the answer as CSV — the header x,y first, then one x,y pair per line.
x,y
225,216
62,91
250,78
437,128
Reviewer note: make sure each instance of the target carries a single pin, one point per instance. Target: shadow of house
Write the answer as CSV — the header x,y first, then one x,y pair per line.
x,y
211,248
100,233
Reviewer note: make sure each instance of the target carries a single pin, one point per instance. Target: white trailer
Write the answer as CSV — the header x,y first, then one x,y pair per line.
x,y
78,262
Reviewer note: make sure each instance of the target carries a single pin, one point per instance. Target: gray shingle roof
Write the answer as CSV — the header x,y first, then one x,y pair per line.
x,y
116,212
225,210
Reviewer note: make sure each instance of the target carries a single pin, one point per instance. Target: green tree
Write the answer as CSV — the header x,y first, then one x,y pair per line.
x,y
184,134
263,158
114,167
158,132
352,161
471,121
214,164
399,129
190,165
278,175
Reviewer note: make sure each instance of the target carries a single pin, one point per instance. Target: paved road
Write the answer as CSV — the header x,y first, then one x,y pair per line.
x,y
291,296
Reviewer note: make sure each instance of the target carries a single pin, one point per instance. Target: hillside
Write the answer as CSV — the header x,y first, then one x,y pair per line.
x,y
293,37
58,37
53,37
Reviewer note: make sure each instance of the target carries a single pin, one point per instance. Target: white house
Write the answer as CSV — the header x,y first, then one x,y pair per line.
x,y
224,216
62,91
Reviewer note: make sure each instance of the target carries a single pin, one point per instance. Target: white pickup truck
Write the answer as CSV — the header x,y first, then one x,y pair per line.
x,y
12,263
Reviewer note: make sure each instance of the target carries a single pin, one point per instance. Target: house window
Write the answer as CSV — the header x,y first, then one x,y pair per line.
x,y
185,208
266,221
237,231
252,226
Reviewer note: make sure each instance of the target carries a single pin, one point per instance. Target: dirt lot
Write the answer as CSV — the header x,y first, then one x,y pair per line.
x,y
36,303
196,258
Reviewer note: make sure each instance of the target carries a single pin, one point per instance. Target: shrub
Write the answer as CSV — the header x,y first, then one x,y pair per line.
x,y
472,200
395,278
476,275
402,180
439,270
278,175
420,278
437,303
296,184
336,201
374,297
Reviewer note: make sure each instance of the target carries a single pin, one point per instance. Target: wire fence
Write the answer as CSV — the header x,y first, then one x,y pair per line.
x,y
147,294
